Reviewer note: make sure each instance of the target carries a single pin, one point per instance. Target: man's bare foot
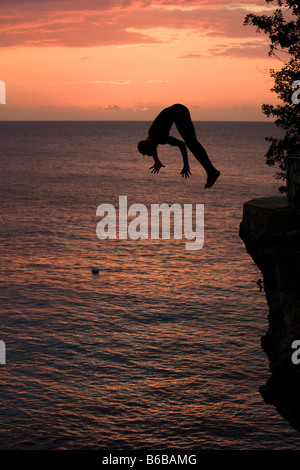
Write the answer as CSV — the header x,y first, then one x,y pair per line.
x,y
211,179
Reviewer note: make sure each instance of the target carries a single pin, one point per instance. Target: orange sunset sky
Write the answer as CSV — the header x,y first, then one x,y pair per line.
x,y
126,59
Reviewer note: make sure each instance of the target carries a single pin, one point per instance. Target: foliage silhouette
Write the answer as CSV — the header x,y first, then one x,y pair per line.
x,y
283,28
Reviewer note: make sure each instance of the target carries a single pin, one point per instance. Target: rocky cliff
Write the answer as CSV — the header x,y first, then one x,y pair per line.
x,y
270,229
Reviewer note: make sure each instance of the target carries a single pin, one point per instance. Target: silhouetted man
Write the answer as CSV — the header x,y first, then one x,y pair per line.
x,y
159,134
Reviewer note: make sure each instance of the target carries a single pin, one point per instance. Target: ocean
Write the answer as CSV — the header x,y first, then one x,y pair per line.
x,y
160,349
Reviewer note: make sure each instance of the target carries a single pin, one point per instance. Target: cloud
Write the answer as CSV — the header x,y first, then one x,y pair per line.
x,y
90,82
64,5
92,58
80,29
112,82
113,107
118,22
157,81
254,49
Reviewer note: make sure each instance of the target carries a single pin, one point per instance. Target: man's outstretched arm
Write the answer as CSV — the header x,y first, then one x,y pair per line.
x,y
157,163
185,172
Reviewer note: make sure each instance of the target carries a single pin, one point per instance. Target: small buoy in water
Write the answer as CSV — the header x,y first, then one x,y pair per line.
x,y
95,270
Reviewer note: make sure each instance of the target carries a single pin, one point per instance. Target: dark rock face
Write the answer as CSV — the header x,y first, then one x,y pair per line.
x,y
270,230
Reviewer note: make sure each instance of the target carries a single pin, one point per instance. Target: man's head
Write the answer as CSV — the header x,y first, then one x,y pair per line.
x,y
144,147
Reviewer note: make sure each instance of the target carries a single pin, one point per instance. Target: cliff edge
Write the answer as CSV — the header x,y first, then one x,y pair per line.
x,y
270,229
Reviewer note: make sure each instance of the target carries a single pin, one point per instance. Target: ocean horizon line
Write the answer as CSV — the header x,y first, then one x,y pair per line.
x,y
127,120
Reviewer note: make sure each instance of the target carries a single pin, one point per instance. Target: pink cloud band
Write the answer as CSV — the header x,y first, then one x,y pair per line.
x,y
117,22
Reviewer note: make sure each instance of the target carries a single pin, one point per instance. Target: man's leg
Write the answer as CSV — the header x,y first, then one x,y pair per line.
x,y
187,131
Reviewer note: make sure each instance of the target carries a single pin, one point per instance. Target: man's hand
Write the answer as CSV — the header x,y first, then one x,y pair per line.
x,y
185,172
156,167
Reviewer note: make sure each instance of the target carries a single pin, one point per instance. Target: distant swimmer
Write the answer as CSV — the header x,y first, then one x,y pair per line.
x,y
260,284
158,133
